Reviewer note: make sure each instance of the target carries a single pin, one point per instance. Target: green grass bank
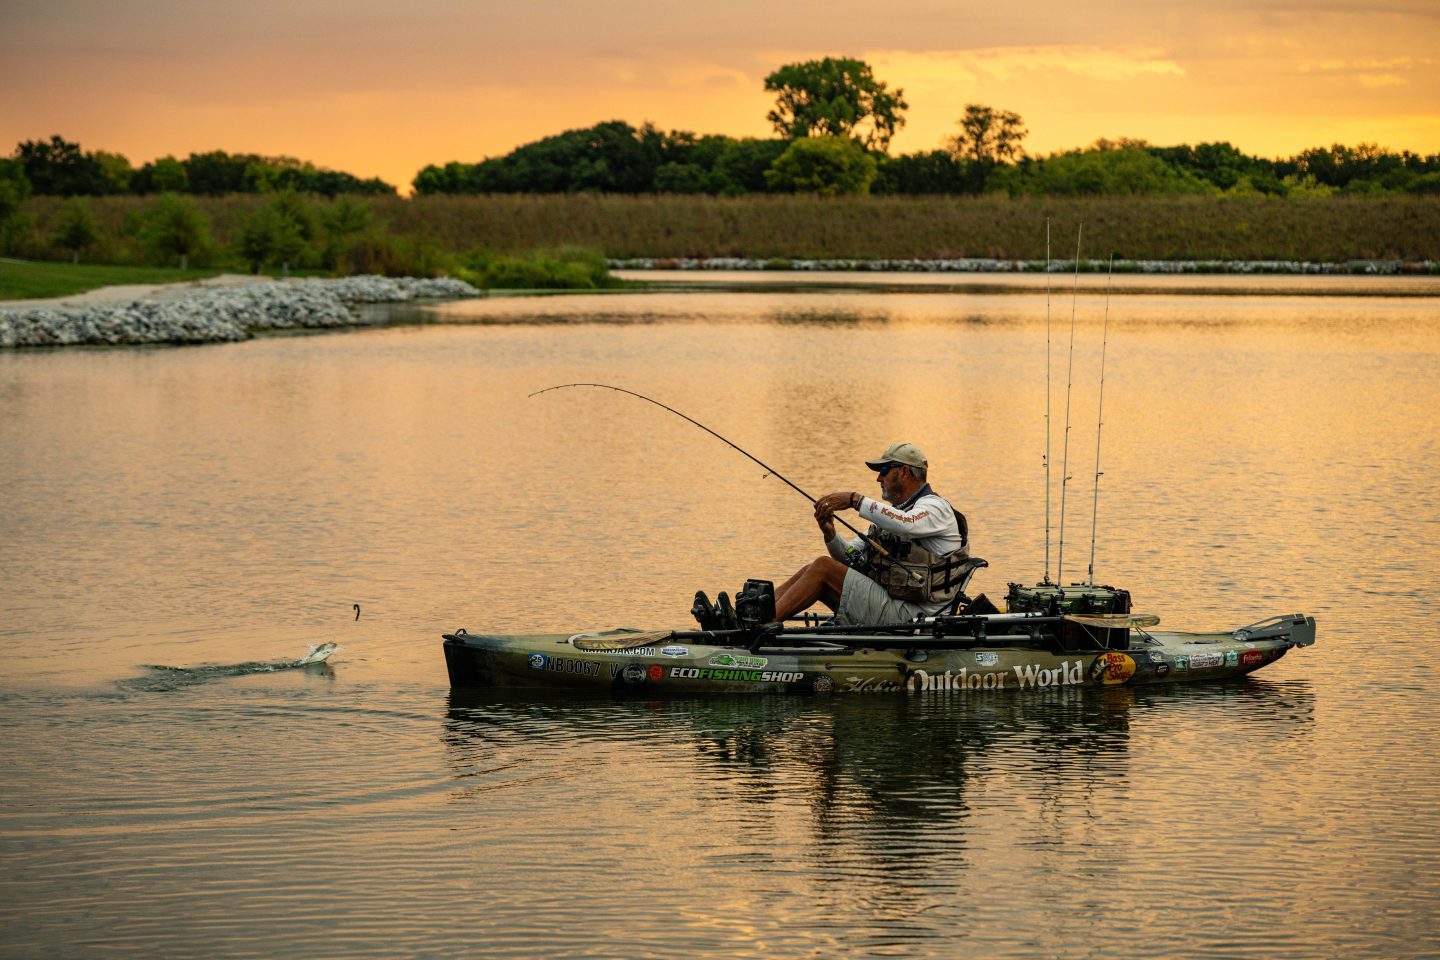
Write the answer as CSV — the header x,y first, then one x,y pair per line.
x,y
425,232
29,279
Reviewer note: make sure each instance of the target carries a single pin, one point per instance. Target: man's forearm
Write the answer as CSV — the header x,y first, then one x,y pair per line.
x,y
842,549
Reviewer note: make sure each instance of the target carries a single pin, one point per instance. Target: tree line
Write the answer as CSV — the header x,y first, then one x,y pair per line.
x,y
614,157
59,168
833,121
286,231
280,231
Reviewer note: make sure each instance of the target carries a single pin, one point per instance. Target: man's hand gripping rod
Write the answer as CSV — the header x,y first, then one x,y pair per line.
x,y
768,469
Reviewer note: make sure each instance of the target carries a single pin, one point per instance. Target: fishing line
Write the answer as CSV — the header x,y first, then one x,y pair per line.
x,y
1069,382
1100,418
769,470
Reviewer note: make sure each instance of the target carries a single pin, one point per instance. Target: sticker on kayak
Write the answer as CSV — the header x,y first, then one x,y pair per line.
x,y
540,661
749,676
1200,661
1251,657
1112,668
731,660
634,673
987,659
675,651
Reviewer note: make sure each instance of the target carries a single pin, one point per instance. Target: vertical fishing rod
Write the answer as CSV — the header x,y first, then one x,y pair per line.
x,y
1069,382
1100,419
1047,401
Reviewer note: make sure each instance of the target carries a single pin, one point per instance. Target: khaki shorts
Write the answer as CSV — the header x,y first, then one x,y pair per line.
x,y
864,602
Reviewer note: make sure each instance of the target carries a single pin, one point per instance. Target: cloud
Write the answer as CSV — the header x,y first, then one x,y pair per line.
x,y
1351,64
1006,64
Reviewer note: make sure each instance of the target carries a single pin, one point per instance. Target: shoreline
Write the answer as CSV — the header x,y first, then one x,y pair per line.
x,y
1025,282
223,309
986,265
236,307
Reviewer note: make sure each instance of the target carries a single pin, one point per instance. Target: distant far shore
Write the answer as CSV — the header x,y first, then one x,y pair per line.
x,y
427,234
985,265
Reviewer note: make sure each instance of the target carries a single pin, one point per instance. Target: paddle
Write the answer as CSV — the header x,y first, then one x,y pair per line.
x,y
619,641
1114,620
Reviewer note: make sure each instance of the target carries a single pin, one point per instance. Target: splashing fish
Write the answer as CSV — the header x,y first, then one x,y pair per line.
x,y
317,654
171,678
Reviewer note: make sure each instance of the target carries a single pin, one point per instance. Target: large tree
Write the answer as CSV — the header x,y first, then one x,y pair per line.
x,y
14,187
345,221
58,168
828,165
835,97
988,136
75,228
165,175
741,167
280,232
610,157
175,227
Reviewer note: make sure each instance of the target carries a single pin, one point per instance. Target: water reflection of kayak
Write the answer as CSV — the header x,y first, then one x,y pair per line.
x,y
961,654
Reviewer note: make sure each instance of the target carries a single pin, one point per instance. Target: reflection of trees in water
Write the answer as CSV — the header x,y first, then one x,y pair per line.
x,y
820,317
833,317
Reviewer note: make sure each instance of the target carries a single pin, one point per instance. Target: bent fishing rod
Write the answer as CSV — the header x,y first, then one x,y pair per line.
x,y
768,469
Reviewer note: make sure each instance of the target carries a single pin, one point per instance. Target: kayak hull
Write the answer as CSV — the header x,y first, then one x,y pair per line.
x,y
682,666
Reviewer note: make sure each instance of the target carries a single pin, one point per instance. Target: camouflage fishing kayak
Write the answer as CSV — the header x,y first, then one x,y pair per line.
x,y
960,654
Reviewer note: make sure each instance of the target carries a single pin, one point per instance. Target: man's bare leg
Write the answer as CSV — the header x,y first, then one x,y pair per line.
x,y
821,579
780,590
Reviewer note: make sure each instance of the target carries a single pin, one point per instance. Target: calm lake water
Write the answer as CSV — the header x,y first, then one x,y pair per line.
x,y
177,522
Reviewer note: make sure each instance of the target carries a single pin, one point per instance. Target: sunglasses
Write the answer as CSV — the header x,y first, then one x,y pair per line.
x,y
888,467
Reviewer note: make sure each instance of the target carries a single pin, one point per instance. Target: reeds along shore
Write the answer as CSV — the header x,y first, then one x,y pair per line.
x,y
1331,229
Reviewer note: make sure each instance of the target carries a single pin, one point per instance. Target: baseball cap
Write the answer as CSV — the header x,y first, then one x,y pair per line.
x,y
906,453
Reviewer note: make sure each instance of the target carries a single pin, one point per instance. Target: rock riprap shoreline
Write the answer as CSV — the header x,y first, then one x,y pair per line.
x,y
980,265
210,312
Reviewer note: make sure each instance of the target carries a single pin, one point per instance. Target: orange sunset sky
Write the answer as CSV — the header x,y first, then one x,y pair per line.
x,y
384,88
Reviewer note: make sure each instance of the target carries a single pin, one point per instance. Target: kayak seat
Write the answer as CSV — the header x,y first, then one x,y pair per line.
x,y
980,606
965,572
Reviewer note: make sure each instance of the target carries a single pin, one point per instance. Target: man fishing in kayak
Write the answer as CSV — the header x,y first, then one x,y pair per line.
x,y
924,544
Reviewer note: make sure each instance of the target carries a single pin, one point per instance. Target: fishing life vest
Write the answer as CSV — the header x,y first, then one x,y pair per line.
x,y
911,572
